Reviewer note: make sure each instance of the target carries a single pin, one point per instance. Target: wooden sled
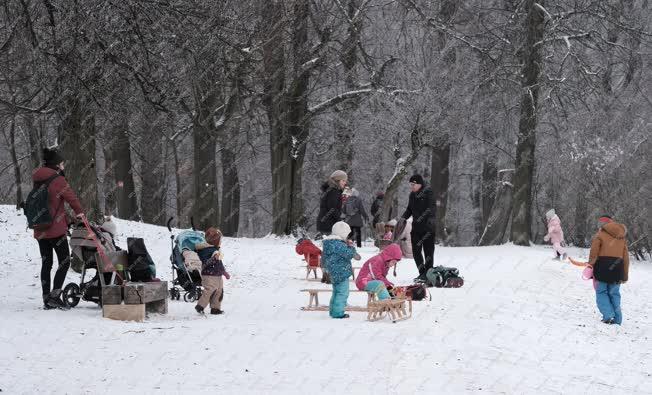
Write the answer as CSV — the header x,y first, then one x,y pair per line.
x,y
394,308
313,301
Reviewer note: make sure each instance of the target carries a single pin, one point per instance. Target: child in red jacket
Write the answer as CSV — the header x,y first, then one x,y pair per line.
x,y
310,252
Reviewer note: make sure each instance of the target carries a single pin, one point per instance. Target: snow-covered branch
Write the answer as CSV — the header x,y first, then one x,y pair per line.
x,y
326,104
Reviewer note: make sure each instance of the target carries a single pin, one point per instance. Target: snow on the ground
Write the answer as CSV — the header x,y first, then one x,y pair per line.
x,y
522,323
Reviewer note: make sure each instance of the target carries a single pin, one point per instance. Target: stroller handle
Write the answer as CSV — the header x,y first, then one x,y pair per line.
x,y
169,222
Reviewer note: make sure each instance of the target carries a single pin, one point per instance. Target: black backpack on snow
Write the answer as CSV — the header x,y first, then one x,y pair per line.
x,y
141,265
36,207
444,277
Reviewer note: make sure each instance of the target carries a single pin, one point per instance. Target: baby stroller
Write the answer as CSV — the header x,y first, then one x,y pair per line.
x,y
82,259
184,277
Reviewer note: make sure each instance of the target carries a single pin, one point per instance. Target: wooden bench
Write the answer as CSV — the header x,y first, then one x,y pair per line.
x,y
129,301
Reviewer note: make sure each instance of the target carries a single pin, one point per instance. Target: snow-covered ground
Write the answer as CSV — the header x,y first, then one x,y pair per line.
x,y
521,324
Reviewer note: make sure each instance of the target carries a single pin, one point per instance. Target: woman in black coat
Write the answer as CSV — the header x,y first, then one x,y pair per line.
x,y
330,203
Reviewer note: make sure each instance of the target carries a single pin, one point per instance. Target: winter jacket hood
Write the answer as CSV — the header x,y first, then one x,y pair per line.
x,y
310,251
615,230
377,267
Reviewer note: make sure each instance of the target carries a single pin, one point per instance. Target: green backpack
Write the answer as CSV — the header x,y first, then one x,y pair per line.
x,y
36,207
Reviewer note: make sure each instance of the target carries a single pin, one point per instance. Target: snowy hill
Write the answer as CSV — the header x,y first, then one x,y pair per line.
x,y
521,324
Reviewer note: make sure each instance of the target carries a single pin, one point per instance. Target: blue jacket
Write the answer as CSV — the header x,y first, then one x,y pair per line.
x,y
337,259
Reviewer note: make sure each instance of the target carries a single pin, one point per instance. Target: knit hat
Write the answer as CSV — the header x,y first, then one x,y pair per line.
x,y
339,175
392,223
51,157
551,213
341,230
213,236
417,179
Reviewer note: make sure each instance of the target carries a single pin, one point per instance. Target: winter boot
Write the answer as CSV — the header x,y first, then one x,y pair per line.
x,y
564,256
54,300
199,309
45,302
609,321
216,311
421,279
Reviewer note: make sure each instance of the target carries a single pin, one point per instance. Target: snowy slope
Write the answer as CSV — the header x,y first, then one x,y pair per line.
x,y
521,324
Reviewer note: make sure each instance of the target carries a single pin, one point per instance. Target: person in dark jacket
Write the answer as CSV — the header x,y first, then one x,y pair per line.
x,y
355,216
54,238
330,203
376,209
421,207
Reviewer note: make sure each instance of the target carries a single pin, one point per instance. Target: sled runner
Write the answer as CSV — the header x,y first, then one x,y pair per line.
x,y
394,308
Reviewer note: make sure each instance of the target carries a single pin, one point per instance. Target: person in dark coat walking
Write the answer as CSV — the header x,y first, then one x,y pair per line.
x,y
330,203
421,207
54,238
355,216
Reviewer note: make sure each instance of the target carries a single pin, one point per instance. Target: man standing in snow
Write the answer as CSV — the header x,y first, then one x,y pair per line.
x,y
54,238
609,258
421,207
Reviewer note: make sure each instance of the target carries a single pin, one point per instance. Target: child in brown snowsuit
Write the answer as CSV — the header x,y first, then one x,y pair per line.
x,y
212,272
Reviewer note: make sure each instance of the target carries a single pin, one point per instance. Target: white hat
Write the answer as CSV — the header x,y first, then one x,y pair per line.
x,y
341,230
551,213
392,223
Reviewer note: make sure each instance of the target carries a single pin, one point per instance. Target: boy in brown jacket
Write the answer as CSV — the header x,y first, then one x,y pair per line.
x,y
610,261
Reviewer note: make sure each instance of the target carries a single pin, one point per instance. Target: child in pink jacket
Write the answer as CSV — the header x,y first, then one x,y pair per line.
x,y
373,274
555,234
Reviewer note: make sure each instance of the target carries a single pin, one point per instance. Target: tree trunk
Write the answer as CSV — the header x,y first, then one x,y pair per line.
x,y
498,221
345,119
152,171
16,163
77,140
230,213
521,232
463,210
177,180
287,112
35,141
439,184
205,209
581,213
125,192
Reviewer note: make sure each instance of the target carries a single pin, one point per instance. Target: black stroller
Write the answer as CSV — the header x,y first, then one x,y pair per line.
x,y
183,277
82,259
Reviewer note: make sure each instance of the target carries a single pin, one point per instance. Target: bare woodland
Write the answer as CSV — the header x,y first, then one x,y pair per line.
x,y
234,112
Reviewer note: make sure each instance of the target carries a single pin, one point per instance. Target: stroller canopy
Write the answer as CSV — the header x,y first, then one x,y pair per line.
x,y
187,239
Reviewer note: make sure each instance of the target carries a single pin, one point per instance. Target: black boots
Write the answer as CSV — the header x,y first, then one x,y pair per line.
x,y
326,278
199,309
53,301
216,311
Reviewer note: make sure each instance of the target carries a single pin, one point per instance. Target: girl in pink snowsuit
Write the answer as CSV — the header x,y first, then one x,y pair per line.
x,y
373,274
555,234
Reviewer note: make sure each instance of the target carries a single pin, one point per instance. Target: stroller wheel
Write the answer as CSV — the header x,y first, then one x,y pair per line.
x,y
71,295
188,297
